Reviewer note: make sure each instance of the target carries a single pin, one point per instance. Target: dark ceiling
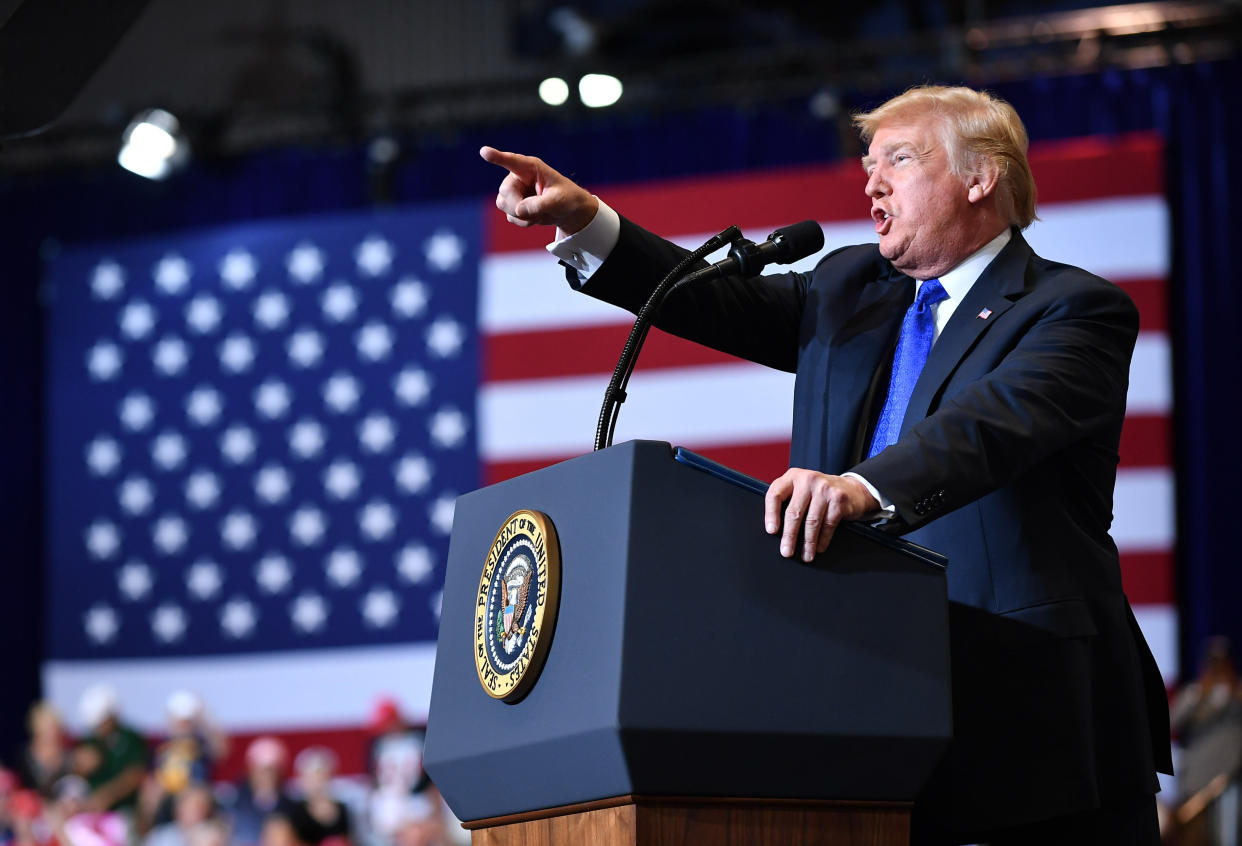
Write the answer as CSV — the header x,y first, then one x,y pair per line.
x,y
245,74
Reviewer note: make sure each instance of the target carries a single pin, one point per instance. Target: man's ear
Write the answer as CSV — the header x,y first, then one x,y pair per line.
x,y
983,182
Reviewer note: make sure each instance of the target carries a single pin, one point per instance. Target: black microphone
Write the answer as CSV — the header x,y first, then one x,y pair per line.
x,y
785,245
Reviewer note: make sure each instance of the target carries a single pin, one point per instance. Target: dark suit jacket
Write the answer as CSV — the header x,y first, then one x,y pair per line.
x,y
1006,464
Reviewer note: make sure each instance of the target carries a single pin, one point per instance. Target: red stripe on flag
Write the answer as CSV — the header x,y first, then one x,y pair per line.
x,y
1148,577
1065,171
1146,441
1152,298
583,351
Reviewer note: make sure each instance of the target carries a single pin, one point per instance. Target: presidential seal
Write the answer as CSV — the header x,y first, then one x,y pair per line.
x,y
515,610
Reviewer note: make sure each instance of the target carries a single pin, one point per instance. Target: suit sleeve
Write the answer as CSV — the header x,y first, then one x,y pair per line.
x,y
757,318
1062,384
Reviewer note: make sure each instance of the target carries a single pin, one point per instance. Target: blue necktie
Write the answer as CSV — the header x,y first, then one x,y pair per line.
x,y
918,328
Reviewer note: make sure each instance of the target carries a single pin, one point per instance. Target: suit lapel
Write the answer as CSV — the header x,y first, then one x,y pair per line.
x,y
995,290
859,348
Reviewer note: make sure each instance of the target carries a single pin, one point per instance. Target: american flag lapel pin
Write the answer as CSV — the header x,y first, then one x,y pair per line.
x,y
985,314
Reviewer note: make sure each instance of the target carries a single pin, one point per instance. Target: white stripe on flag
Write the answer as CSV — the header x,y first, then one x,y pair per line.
x,y
1151,375
732,403
1117,239
1159,625
1143,511
290,690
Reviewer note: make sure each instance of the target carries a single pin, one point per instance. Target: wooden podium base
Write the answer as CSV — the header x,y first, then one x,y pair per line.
x,y
683,821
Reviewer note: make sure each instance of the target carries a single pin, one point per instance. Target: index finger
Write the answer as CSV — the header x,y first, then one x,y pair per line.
x,y
778,491
515,163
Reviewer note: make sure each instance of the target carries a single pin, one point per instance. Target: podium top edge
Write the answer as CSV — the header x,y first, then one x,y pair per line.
x,y
750,483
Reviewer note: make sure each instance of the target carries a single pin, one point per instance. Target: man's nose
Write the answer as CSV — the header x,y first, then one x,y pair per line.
x,y
876,185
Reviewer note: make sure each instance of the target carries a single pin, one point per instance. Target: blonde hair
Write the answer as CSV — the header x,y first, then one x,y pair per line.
x,y
978,129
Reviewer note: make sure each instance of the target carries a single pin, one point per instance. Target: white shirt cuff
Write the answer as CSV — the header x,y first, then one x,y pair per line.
x,y
586,249
886,511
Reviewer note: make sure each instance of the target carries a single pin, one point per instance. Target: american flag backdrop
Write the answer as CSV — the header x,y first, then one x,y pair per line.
x,y
256,433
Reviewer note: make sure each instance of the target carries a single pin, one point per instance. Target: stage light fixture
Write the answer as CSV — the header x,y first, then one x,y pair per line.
x,y
554,91
153,145
599,89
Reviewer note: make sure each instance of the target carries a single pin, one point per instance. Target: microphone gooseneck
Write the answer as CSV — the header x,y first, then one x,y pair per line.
x,y
785,245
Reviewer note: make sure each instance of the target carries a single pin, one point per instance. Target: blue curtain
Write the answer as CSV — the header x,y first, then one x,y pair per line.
x,y
1195,107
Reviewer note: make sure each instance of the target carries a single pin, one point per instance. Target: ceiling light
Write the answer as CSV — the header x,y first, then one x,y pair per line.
x,y
554,91
153,145
599,89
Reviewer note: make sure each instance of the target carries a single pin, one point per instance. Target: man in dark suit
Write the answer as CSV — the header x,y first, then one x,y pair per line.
x,y
962,390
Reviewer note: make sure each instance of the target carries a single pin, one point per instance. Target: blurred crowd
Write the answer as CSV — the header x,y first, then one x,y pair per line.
x,y
113,787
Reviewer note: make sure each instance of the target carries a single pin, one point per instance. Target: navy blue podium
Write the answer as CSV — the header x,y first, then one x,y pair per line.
x,y
697,683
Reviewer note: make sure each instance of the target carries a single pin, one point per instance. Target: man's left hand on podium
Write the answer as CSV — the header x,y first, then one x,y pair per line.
x,y
815,504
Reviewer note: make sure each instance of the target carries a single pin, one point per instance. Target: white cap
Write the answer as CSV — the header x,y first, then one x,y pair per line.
x,y
97,704
183,705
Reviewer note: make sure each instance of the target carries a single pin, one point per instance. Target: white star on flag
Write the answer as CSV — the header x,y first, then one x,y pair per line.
x,y
339,303
445,337
341,393
309,612
306,438
238,530
341,479
373,256
137,411
137,320
135,495
238,444
413,473
101,623
271,484
238,269
204,405
104,361
238,618
169,534
168,450
377,520
271,310
444,251
376,433
272,398
305,347
202,489
374,341
203,579
447,428
344,566
102,456
412,386
380,607
408,298
236,353
134,580
103,539
307,525
305,263
168,623
170,356
203,314
172,274
273,573
440,513
414,563
107,280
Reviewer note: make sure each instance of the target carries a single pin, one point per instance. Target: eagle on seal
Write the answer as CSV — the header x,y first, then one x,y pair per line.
x,y
517,589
